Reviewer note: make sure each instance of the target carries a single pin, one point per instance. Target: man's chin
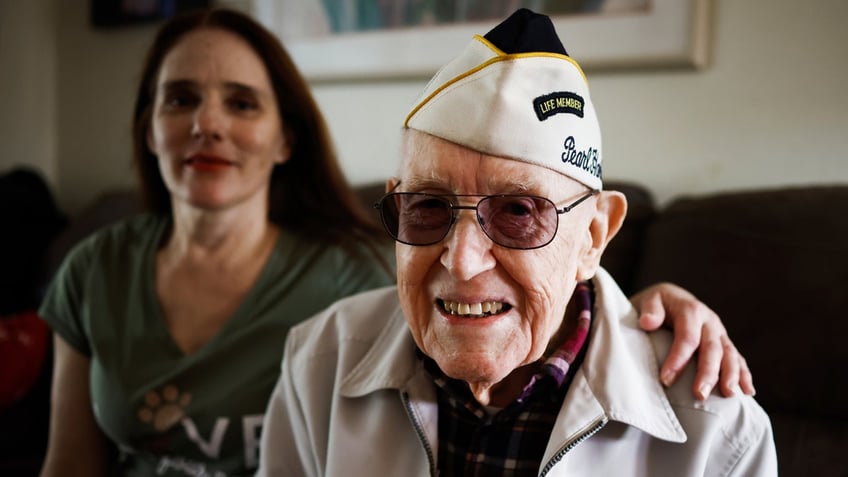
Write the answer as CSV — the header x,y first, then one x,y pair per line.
x,y
477,370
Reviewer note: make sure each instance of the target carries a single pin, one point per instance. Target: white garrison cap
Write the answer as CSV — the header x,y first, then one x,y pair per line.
x,y
515,93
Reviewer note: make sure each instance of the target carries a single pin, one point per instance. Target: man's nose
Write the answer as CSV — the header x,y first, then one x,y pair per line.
x,y
467,249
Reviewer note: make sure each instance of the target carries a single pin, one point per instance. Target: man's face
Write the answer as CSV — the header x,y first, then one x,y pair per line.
x,y
445,287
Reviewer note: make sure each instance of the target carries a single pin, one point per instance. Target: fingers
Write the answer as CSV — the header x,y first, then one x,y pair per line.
x,y
682,348
709,360
746,380
696,328
651,310
735,375
729,381
687,319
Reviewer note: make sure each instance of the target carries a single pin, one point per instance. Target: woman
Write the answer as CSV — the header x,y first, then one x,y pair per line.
x,y
169,327
172,324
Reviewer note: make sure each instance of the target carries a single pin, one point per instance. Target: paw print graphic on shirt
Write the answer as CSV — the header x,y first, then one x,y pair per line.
x,y
164,408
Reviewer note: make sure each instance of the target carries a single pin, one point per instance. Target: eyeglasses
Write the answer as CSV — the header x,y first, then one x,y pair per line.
x,y
516,221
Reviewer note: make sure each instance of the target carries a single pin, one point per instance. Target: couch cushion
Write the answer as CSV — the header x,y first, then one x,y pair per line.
x,y
774,265
810,446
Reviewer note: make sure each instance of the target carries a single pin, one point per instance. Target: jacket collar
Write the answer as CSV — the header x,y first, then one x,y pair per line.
x,y
390,362
618,379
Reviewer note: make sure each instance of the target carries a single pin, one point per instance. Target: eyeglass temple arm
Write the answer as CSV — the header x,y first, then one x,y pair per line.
x,y
377,204
577,202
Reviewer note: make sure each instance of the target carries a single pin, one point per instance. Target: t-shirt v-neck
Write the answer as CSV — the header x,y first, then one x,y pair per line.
x,y
157,320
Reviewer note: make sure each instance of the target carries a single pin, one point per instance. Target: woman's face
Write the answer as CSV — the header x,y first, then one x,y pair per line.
x,y
216,128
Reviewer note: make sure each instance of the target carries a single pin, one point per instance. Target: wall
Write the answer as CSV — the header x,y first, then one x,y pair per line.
x,y
97,76
771,110
27,86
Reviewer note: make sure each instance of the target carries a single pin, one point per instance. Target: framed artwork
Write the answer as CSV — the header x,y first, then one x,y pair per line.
x,y
117,13
383,39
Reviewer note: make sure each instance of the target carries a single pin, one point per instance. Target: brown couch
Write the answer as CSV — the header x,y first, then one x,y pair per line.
x,y
773,263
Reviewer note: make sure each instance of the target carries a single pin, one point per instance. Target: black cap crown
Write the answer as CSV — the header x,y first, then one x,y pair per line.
x,y
526,32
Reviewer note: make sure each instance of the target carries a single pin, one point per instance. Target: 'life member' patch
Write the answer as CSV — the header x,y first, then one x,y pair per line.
x,y
560,102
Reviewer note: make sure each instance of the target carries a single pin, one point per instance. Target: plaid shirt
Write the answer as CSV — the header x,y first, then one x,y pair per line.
x,y
512,441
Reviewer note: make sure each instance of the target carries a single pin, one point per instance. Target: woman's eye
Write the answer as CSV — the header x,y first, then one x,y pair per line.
x,y
179,100
244,104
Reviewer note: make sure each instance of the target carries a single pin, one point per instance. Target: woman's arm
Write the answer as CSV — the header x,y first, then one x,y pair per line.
x,y
76,446
696,328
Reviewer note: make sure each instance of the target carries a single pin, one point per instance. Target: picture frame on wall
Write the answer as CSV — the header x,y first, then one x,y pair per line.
x,y
118,13
343,40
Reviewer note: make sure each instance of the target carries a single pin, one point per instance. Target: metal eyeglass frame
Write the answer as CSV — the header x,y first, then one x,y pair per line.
x,y
454,207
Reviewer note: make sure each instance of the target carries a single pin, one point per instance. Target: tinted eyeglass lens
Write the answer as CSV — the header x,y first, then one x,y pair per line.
x,y
518,221
417,219
521,222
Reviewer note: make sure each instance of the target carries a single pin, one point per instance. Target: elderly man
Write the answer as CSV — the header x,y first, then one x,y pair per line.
x,y
505,349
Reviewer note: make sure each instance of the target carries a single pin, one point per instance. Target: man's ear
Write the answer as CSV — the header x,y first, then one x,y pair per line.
x,y
391,183
611,207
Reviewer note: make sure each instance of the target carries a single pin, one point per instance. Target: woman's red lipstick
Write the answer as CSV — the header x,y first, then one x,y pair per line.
x,y
207,163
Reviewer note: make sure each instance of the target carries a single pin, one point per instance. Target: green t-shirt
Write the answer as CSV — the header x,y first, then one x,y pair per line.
x,y
200,414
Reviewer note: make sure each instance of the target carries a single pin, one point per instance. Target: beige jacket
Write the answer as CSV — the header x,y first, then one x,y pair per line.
x,y
353,400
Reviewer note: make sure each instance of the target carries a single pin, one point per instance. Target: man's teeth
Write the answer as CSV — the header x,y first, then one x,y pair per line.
x,y
478,309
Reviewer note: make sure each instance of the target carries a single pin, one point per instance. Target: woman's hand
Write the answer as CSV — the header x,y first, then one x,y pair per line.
x,y
696,328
